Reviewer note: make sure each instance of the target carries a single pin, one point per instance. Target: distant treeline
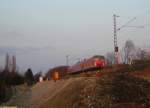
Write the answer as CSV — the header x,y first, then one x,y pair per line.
x,y
8,80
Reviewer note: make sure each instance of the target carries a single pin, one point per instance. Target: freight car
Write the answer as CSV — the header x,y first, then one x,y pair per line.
x,y
90,64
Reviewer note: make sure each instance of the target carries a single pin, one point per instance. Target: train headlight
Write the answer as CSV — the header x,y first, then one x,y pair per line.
x,y
95,64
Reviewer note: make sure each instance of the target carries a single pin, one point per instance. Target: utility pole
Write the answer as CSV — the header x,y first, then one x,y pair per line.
x,y
7,65
67,60
115,41
116,48
13,64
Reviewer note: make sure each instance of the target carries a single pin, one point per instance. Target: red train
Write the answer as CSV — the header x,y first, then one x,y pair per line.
x,y
93,63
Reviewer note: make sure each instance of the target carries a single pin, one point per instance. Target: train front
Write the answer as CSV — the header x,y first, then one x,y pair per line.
x,y
100,63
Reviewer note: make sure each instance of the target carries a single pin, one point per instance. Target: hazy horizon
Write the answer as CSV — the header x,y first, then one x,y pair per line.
x,y
42,32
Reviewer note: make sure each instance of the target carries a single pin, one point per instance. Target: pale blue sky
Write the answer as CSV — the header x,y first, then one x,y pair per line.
x,y
56,28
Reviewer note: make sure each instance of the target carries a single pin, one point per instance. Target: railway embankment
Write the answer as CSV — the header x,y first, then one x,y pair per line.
x,y
119,90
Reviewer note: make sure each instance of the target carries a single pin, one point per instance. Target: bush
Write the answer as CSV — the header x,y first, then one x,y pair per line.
x,y
7,80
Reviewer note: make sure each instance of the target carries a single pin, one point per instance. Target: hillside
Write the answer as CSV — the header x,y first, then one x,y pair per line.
x,y
120,90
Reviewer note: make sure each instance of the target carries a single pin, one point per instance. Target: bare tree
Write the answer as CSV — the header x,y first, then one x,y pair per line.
x,y
110,58
143,54
129,51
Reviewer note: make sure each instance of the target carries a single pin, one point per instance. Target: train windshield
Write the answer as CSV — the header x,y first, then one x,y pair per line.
x,y
99,57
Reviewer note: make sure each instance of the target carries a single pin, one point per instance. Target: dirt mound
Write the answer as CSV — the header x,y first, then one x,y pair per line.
x,y
71,95
145,73
118,91
126,88
122,91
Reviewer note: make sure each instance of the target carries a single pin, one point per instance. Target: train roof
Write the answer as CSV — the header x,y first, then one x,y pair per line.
x,y
99,56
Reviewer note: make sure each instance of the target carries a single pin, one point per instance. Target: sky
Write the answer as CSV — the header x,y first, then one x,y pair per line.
x,y
42,32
